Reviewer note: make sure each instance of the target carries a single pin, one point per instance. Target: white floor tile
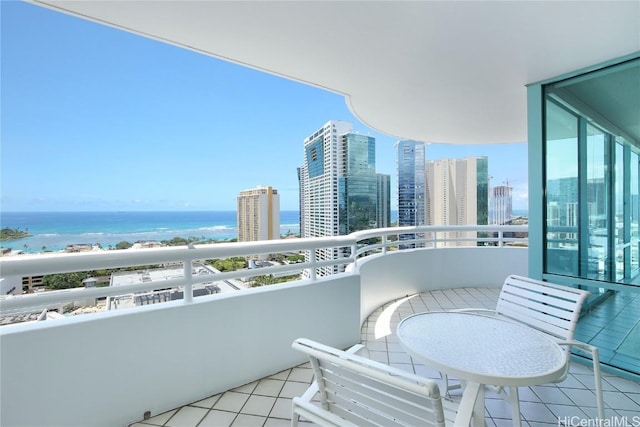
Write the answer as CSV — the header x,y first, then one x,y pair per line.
x,y
617,400
187,416
282,408
258,405
208,402
292,389
231,401
217,418
538,412
269,387
247,388
302,375
244,420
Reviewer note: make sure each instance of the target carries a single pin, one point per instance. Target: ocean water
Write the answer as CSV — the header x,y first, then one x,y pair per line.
x,y
55,230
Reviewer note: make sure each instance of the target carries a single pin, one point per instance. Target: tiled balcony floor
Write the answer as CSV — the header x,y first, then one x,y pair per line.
x,y
267,402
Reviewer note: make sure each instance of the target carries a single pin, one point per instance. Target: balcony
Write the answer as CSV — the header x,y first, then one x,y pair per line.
x,y
267,401
119,367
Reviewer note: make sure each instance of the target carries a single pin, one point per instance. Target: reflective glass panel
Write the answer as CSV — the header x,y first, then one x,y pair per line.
x,y
619,213
634,214
595,263
561,191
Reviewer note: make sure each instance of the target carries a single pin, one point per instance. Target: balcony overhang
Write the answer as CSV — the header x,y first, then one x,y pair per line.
x,y
434,71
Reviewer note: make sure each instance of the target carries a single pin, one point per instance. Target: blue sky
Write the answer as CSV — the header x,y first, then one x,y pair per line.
x,y
97,119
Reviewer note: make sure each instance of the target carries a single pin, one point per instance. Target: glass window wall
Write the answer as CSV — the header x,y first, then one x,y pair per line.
x,y
591,207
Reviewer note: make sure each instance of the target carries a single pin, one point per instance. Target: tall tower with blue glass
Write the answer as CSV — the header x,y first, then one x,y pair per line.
x,y
412,192
357,184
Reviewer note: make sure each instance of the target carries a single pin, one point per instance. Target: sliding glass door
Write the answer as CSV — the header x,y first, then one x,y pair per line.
x,y
591,155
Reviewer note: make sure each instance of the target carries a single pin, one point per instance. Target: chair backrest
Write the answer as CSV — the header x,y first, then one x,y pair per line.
x,y
550,308
366,392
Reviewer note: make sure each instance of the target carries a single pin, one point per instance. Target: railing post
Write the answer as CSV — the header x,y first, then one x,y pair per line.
x,y
500,239
354,253
188,280
384,244
312,258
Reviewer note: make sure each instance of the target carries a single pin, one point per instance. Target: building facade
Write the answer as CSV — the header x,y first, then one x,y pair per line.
x,y
500,205
258,214
357,183
338,187
383,217
411,183
412,196
457,193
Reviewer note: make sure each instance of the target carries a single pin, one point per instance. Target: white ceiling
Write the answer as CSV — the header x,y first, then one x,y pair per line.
x,y
435,71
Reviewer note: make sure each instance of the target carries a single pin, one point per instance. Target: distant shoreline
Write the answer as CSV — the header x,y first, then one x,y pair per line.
x,y
7,234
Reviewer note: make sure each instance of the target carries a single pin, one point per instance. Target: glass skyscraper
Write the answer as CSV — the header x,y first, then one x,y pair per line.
x,y
357,183
411,188
384,201
411,183
500,205
338,186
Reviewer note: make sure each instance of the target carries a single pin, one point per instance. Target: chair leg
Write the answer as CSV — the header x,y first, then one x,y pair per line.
x,y
597,378
598,382
447,388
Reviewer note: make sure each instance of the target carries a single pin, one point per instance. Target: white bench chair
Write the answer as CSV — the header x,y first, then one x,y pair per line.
x,y
355,391
549,308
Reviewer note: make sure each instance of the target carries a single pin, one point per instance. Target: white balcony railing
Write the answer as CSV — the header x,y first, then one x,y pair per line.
x,y
358,245
109,368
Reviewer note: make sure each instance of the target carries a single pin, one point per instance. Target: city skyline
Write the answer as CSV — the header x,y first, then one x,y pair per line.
x,y
96,119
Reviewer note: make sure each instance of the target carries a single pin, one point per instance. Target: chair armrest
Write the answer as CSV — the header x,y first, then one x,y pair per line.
x,y
358,349
580,345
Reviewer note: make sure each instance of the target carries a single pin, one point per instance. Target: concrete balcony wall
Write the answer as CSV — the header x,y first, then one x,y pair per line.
x,y
112,367
395,274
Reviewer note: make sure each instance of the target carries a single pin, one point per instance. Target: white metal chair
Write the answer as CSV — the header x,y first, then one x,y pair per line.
x,y
357,391
549,308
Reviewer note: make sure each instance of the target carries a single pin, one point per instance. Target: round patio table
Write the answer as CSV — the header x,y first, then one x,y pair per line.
x,y
482,350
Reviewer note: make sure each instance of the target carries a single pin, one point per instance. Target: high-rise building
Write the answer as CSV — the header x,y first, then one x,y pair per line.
x,y
500,205
411,183
457,191
338,187
258,214
412,196
383,217
357,183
